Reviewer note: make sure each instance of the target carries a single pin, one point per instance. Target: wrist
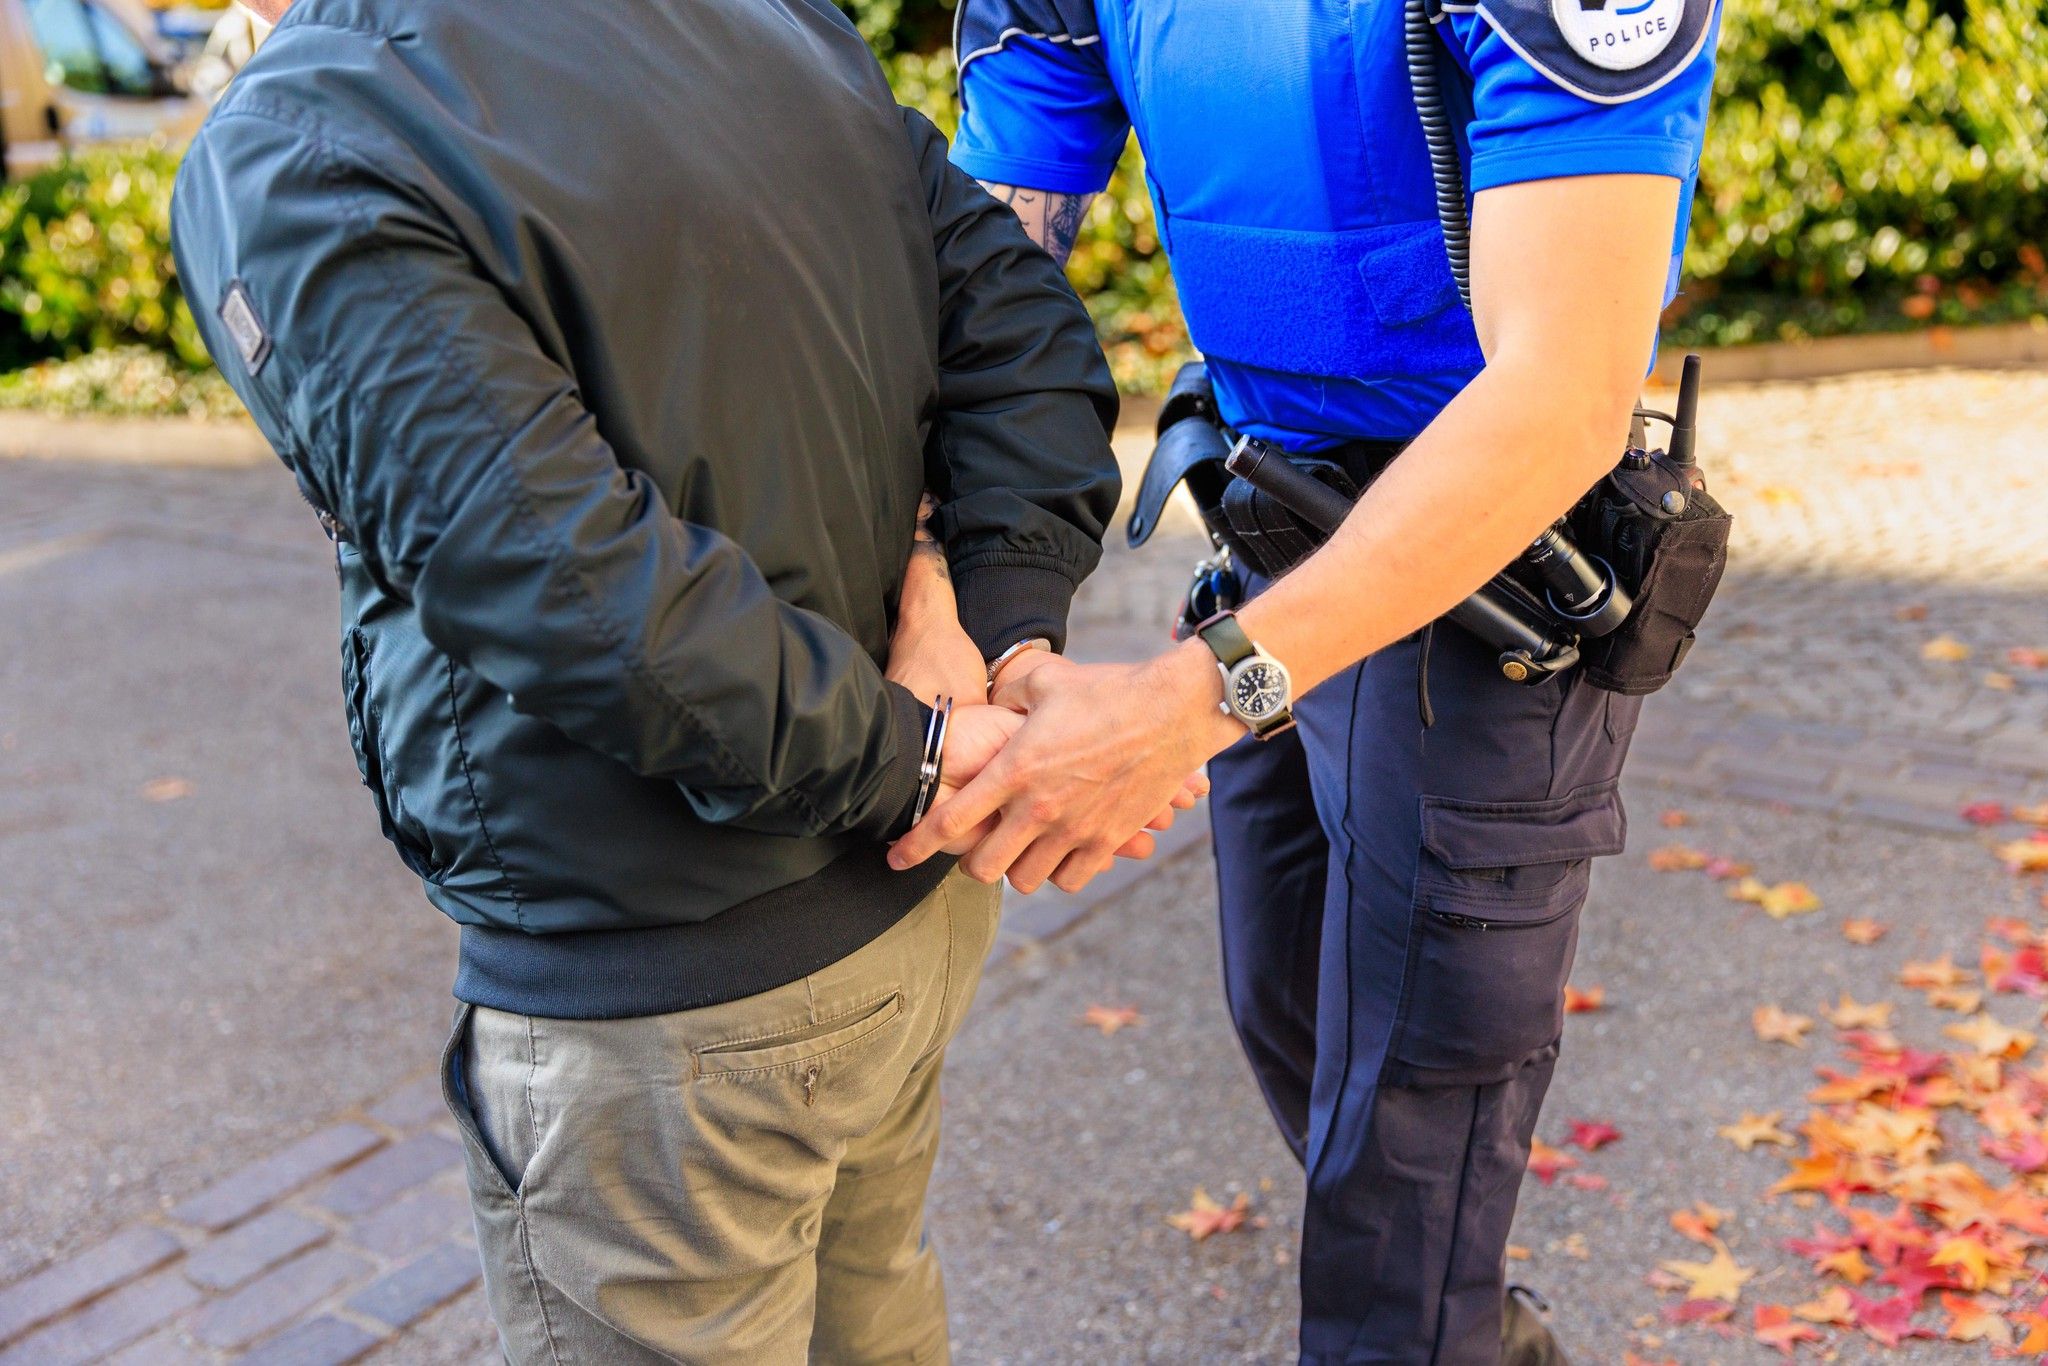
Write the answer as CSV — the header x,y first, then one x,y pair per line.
x,y
1188,681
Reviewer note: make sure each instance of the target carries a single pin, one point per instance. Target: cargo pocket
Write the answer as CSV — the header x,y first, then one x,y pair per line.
x,y
1494,925
361,706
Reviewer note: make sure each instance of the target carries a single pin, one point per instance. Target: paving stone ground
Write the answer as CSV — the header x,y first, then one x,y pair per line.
x,y
1808,733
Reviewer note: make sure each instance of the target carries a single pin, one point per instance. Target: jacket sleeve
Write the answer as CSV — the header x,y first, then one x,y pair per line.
x,y
419,408
1019,452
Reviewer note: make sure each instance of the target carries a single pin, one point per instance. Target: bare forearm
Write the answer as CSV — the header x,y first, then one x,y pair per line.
x,y
1051,219
1502,462
1566,342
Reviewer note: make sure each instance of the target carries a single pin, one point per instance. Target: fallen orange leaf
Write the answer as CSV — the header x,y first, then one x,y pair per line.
x,y
1545,1162
1863,931
1699,1222
1975,1321
1583,1001
1775,1327
1678,858
1109,1019
1945,650
1718,1278
1788,899
1753,1129
165,789
1774,1025
1833,1306
1849,1013
1672,819
1938,972
1990,1038
2024,856
1204,1217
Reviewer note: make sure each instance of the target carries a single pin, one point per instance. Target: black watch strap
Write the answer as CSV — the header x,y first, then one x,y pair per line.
x,y
1226,639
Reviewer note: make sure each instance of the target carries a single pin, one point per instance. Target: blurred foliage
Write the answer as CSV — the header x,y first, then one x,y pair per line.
x,y
121,381
85,260
1870,165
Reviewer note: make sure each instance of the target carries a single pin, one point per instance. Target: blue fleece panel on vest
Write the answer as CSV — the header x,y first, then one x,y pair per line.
x,y
1290,178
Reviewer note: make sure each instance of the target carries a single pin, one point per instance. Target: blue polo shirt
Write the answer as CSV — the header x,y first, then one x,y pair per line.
x,y
1289,174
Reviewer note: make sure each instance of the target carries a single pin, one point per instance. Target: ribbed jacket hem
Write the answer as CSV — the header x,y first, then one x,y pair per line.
x,y
755,946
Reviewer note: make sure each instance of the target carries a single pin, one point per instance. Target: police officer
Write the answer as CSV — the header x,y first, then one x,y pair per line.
x,y
1401,875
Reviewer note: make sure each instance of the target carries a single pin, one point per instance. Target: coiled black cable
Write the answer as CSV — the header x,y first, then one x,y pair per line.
x,y
1419,39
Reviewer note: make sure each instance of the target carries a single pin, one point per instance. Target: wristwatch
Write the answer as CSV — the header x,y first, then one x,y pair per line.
x,y
1256,688
995,666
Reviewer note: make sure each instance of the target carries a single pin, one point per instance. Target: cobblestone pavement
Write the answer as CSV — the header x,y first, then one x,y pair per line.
x,y
1875,515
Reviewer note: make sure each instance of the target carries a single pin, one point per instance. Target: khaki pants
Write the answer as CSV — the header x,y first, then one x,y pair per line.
x,y
740,1183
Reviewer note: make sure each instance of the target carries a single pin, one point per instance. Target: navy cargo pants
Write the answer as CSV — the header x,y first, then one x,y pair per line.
x,y
1400,906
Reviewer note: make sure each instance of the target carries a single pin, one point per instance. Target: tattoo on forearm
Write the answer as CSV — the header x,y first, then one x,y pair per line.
x,y
1052,220
924,543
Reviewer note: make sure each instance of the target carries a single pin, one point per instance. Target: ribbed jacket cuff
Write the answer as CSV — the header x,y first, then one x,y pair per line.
x,y
1001,604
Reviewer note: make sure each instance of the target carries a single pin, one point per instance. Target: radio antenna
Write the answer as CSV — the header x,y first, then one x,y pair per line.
x,y
1684,423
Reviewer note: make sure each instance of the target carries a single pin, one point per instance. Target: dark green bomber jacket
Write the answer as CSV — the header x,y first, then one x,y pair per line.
x,y
618,341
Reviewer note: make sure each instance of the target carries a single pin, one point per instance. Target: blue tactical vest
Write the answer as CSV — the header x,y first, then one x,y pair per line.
x,y
1289,174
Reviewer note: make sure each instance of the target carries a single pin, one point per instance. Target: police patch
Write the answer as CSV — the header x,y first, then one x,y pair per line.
x,y
1619,35
1607,51
238,315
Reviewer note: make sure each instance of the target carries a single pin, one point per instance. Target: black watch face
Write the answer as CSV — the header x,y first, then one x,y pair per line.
x,y
1259,690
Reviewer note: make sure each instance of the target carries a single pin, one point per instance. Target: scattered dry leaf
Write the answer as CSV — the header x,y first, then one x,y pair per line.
x,y
1205,1217
1678,858
1584,1000
1754,1128
1774,1025
1849,1013
165,789
1945,649
1863,931
1109,1019
1718,1278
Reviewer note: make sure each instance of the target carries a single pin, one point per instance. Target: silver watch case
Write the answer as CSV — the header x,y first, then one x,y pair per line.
x,y
1258,692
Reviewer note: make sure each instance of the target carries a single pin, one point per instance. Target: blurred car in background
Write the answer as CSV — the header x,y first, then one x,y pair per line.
x,y
78,72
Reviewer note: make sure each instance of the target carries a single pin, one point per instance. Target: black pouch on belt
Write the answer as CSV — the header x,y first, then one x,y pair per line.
x,y
1263,533
1667,540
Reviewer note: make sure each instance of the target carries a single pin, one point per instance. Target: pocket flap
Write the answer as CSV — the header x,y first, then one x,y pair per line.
x,y
1586,823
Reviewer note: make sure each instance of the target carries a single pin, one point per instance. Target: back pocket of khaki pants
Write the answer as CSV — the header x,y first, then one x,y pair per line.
x,y
794,1047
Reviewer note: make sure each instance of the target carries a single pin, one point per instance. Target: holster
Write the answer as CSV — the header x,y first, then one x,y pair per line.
x,y
1262,535
1192,442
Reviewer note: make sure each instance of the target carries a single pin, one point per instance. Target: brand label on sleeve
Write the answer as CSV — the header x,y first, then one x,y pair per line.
x,y
238,314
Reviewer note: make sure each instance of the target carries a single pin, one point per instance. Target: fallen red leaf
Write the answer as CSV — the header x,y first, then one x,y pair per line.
x,y
1545,1162
1583,1001
1592,1135
1889,1321
1984,813
1775,1327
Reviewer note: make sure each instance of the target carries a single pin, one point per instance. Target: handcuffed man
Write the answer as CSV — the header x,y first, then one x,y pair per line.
x,y
614,345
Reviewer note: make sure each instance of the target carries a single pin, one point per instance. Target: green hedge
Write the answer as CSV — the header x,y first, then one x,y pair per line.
x,y
85,260
1869,164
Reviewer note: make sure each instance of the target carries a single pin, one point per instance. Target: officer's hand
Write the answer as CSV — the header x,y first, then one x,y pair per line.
x,y
975,735
1035,675
1104,751
1028,676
